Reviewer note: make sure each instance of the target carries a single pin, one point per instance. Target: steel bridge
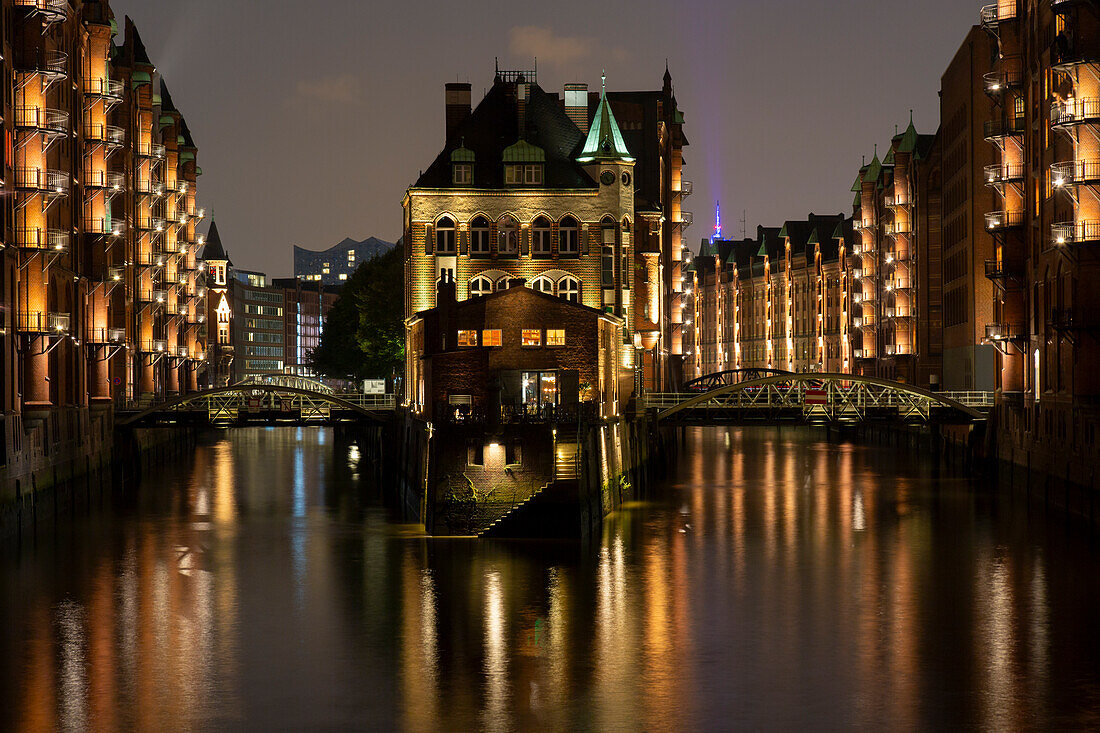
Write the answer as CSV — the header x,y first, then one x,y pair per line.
x,y
820,398
715,380
260,404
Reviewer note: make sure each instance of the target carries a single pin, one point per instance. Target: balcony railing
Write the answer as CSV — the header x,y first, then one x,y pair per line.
x,y
996,221
997,129
685,188
112,135
51,10
150,150
106,335
43,322
1005,332
1000,81
149,186
1075,111
152,259
898,349
43,119
1075,172
114,274
153,296
154,346
1003,173
109,89
150,223
893,202
103,225
998,12
1079,232
686,219
893,228
54,240
51,64
112,180
40,179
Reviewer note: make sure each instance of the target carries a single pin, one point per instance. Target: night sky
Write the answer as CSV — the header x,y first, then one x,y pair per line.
x,y
313,116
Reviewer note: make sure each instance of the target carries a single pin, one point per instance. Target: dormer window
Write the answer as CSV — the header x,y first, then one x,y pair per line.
x,y
462,166
523,164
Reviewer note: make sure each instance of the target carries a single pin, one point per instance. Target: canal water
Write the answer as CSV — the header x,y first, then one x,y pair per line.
x,y
776,581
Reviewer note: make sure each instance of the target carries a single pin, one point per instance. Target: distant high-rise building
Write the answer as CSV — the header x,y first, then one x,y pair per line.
x,y
336,264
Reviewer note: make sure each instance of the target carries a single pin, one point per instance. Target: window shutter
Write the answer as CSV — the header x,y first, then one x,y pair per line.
x,y
429,240
463,235
525,241
583,236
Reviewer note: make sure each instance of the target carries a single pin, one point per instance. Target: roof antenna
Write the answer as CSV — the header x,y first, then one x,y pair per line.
x,y
910,117
603,81
744,214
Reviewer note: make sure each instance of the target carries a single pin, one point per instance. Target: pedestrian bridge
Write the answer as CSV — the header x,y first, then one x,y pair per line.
x,y
819,398
260,404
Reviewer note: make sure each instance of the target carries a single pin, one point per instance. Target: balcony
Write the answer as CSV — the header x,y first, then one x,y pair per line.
x,y
899,349
863,354
997,221
113,274
686,219
856,272
106,335
1062,6
154,151
106,89
893,202
53,240
893,229
155,346
153,296
112,136
152,259
685,188
996,130
999,82
56,323
42,119
105,226
1002,272
53,65
1079,232
1075,173
150,223
1004,332
52,11
993,15
111,180
1075,112
53,182
1001,173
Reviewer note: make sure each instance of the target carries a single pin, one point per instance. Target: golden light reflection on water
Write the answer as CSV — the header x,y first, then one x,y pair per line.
x,y
781,582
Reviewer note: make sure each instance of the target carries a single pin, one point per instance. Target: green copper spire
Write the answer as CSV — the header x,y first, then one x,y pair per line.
x,y
605,140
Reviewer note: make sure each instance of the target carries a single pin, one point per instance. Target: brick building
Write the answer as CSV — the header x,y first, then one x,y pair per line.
x,y
516,352
546,188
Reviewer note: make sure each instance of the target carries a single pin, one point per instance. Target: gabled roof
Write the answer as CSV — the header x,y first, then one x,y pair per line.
x,y
874,170
605,139
907,142
141,56
493,126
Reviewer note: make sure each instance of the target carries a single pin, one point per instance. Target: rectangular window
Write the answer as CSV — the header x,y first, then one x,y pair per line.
x,y
532,174
540,242
490,337
513,175
467,338
531,337
464,173
567,241
555,337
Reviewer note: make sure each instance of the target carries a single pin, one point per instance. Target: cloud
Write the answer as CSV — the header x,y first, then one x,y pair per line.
x,y
532,41
344,89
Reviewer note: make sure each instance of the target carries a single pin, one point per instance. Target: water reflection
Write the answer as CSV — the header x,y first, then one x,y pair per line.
x,y
776,582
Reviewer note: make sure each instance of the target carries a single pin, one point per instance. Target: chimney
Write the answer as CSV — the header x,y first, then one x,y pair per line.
x,y
576,105
523,92
458,106
444,307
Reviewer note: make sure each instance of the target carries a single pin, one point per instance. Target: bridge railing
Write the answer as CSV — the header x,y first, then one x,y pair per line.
x,y
796,394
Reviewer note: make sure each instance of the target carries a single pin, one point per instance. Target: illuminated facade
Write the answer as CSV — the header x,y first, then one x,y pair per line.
x,y
531,185
101,285
1046,232
777,301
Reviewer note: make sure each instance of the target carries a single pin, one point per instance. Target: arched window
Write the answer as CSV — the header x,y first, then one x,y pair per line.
x,y
503,282
480,285
540,237
568,237
543,284
569,289
445,236
479,237
508,244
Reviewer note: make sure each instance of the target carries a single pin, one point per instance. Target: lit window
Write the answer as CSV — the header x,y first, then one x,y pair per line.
x,y
324,270
343,276
532,174
555,337
540,238
490,337
463,173
509,237
513,174
479,237
467,338
531,337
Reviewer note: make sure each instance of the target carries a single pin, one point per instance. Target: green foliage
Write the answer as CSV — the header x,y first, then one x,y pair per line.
x,y
364,334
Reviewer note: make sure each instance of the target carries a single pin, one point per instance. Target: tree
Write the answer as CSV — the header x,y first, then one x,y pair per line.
x,y
364,334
